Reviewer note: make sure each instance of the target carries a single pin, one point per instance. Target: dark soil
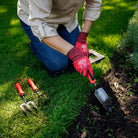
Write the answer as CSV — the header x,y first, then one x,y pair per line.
x,y
95,122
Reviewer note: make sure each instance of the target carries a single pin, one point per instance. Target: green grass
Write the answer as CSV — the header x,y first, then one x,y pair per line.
x,y
68,92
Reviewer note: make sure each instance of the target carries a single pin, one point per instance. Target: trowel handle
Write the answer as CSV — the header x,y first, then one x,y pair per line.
x,y
31,83
91,78
19,89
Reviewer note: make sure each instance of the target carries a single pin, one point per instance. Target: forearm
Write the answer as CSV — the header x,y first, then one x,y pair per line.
x,y
62,46
86,26
59,44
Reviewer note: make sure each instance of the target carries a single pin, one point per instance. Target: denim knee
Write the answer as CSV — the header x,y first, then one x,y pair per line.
x,y
57,64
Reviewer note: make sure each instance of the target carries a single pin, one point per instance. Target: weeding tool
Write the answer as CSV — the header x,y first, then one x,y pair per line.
x,y
45,97
101,95
24,105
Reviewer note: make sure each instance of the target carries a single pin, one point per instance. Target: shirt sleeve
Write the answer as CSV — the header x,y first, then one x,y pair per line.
x,y
39,11
92,9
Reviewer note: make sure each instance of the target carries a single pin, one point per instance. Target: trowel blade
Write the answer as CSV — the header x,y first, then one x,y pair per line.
x,y
104,99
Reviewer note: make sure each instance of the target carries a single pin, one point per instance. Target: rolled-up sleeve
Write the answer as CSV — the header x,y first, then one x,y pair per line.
x,y
92,9
39,11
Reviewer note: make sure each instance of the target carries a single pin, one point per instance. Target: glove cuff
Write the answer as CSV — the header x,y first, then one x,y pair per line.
x,y
74,54
82,37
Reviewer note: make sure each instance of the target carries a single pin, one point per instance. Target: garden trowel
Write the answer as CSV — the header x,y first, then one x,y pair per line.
x,y
101,95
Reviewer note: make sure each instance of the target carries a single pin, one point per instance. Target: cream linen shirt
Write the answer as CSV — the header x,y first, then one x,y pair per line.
x,y
44,16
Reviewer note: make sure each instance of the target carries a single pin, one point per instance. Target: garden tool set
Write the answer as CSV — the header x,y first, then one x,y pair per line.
x,y
101,95
26,105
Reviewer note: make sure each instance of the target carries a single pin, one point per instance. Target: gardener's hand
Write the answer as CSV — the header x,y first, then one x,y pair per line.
x,y
81,43
80,62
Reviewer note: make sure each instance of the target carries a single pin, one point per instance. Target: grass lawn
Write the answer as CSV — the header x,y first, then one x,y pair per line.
x,y
68,92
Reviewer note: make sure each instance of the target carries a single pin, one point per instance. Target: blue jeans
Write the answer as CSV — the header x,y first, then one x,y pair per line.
x,y
52,59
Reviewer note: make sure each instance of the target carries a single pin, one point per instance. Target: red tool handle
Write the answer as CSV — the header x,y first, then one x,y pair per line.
x,y
91,78
31,83
19,89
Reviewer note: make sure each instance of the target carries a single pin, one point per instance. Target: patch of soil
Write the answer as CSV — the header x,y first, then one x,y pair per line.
x,y
95,122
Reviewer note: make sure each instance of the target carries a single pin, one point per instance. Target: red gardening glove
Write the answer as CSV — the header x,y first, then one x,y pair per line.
x,y
81,43
80,62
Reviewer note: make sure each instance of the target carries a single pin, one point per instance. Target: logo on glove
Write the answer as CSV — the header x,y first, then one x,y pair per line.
x,y
83,64
84,47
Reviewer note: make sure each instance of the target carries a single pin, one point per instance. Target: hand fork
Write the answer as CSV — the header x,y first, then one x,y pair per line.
x,y
45,97
24,105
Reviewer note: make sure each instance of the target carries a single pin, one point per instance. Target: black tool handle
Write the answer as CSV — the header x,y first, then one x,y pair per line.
x,y
91,78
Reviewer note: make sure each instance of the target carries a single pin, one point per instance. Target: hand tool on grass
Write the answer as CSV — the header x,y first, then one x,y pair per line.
x,y
101,95
25,105
42,98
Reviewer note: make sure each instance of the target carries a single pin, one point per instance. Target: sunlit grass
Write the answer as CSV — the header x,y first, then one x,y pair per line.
x,y
108,8
111,40
20,126
4,87
2,9
8,109
14,22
